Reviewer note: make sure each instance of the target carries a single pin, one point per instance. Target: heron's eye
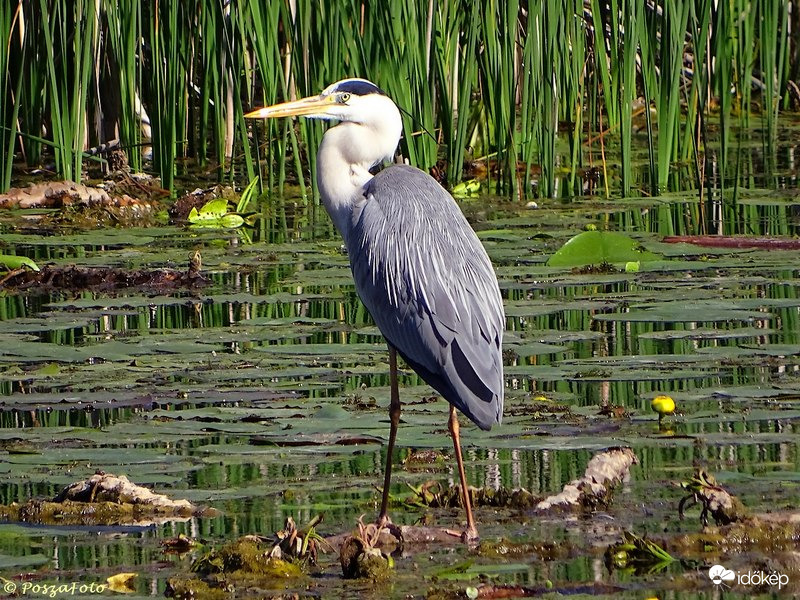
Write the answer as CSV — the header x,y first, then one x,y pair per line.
x,y
344,97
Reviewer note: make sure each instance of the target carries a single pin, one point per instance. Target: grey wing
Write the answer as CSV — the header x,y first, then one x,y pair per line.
x,y
429,285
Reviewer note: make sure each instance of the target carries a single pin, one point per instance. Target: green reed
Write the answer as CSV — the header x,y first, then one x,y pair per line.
x,y
10,88
260,20
542,85
70,41
456,38
397,42
498,85
626,41
124,35
773,52
30,58
519,87
215,84
167,26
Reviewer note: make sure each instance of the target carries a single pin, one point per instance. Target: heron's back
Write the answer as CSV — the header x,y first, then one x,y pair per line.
x,y
429,285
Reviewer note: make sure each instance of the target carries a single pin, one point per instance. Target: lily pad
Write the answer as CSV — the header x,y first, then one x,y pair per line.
x,y
597,247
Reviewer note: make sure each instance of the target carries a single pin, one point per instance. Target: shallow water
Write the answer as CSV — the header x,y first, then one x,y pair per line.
x,y
264,395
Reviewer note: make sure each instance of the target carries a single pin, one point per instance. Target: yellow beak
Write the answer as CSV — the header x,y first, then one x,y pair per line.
x,y
313,105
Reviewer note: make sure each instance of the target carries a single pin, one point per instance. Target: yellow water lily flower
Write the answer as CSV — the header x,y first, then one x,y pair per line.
x,y
663,405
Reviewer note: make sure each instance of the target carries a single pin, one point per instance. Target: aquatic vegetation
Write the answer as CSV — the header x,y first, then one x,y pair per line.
x,y
247,555
122,583
600,248
215,214
299,545
11,262
637,554
432,494
365,556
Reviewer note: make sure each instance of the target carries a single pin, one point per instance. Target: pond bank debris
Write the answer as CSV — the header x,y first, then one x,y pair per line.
x,y
488,591
133,202
734,241
103,499
61,194
103,279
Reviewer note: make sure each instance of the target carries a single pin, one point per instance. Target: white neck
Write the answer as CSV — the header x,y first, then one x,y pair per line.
x,y
347,153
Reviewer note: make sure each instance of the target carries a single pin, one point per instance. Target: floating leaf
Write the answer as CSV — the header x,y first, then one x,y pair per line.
x,y
596,247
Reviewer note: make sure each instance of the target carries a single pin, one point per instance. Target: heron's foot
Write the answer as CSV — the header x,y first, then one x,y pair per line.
x,y
383,521
384,524
468,536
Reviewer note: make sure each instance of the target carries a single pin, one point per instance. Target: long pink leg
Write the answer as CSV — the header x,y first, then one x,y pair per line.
x,y
471,533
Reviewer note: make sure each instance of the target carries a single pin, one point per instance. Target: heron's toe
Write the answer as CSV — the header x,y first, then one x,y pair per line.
x,y
470,535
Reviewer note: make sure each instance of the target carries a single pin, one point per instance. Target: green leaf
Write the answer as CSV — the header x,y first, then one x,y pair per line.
x,y
595,247
248,195
466,188
231,221
12,262
214,209
49,370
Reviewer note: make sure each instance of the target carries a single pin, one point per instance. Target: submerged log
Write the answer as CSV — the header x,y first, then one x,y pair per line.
x,y
105,487
103,499
604,471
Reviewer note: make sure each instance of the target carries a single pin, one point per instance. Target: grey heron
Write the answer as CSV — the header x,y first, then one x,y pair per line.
x,y
418,266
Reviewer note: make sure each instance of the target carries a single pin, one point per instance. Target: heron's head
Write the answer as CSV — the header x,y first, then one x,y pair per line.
x,y
357,101
349,100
